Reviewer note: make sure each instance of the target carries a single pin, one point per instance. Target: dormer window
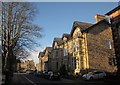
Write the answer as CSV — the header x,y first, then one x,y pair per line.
x,y
64,39
55,43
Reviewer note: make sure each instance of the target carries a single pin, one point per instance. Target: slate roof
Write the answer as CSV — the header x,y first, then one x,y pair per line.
x,y
115,9
41,53
58,40
48,49
67,36
102,21
83,26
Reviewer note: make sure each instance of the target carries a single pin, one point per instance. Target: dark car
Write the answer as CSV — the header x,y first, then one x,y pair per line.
x,y
38,73
30,71
45,75
54,76
22,71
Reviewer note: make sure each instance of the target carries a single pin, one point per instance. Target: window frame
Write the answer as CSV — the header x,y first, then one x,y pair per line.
x,y
108,44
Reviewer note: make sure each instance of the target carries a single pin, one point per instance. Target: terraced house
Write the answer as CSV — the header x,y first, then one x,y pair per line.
x,y
87,47
43,59
115,26
28,65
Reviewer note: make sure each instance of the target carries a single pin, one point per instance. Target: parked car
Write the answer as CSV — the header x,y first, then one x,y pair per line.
x,y
94,75
30,71
22,71
38,73
54,76
45,74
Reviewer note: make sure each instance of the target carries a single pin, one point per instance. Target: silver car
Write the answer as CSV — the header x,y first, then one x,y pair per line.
x,y
94,75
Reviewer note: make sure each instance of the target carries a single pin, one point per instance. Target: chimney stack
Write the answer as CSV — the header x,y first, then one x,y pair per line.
x,y
99,17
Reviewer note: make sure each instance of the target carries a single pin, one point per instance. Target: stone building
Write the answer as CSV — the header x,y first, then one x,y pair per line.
x,y
28,65
47,52
55,59
78,46
100,47
38,67
43,58
41,64
87,47
115,26
23,65
69,46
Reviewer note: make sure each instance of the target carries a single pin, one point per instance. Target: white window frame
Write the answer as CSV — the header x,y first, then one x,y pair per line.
x,y
108,44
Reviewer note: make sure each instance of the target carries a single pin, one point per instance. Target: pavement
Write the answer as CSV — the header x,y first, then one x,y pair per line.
x,y
19,79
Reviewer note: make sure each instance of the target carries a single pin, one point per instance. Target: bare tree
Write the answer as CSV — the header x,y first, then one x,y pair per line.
x,y
18,31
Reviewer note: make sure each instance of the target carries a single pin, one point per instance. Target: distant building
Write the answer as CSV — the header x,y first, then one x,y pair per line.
x,y
56,57
38,67
17,65
115,26
43,58
28,65
47,52
41,63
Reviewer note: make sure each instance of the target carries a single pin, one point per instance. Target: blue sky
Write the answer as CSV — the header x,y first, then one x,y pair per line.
x,y
57,18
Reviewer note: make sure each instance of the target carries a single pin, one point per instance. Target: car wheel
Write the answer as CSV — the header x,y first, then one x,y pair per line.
x,y
91,79
104,77
49,78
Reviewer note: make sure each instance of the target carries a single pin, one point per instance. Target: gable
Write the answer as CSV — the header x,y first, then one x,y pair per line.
x,y
82,25
64,39
76,32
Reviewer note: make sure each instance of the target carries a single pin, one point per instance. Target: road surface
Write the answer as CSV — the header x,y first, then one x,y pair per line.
x,y
30,79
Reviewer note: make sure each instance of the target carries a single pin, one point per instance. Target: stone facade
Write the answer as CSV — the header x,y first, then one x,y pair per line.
x,y
41,63
38,67
87,47
28,65
100,47
43,59
115,25
56,55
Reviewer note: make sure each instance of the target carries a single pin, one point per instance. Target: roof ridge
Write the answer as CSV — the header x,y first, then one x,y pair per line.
x,y
82,22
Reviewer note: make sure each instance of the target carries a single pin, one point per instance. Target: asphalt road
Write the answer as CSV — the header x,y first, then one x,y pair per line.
x,y
30,79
